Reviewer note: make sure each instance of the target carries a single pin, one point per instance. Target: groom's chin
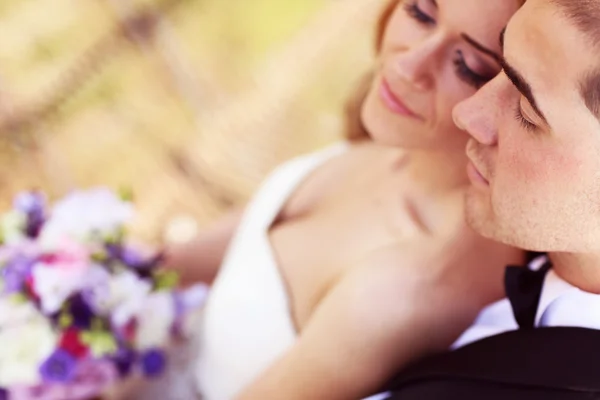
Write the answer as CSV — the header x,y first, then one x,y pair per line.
x,y
479,214
521,232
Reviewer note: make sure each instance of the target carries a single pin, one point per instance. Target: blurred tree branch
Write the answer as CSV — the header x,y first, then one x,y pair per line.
x,y
139,26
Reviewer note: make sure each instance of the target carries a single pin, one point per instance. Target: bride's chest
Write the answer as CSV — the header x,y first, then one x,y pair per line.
x,y
313,250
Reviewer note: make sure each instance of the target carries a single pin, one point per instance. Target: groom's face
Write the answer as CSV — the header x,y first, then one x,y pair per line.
x,y
535,135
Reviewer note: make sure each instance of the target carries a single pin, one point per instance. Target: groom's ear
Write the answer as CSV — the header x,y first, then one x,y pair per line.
x,y
590,91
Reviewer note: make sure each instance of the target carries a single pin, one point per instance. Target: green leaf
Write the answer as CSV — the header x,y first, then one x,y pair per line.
x,y
65,320
126,194
165,279
101,343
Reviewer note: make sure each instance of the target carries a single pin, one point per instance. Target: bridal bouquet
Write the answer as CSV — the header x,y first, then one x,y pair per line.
x,y
81,308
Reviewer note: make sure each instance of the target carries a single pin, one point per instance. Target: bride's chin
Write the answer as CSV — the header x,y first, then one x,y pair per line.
x,y
386,135
385,129
379,130
386,139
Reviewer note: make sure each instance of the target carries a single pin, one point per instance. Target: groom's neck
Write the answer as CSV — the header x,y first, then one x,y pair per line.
x,y
578,269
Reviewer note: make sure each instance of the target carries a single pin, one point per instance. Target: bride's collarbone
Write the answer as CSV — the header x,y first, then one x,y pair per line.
x,y
359,179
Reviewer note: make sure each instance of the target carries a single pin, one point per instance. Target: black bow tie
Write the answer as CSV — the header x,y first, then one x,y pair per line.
x,y
524,289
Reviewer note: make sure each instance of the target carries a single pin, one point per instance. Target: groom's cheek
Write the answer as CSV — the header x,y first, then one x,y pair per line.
x,y
536,163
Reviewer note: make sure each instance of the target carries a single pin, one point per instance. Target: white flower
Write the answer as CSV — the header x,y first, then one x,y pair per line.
x,y
14,312
126,296
155,320
28,341
12,224
96,289
55,285
83,213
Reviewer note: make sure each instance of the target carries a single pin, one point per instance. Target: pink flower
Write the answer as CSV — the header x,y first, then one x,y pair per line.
x,y
59,275
70,341
69,255
91,379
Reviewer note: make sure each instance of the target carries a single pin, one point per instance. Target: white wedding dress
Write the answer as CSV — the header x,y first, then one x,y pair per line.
x,y
246,323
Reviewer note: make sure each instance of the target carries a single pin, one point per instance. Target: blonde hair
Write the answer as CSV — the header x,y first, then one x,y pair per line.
x,y
354,128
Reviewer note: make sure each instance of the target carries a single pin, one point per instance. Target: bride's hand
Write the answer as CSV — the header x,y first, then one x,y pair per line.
x,y
199,259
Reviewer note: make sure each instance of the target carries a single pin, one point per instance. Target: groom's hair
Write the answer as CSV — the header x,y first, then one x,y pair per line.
x,y
585,14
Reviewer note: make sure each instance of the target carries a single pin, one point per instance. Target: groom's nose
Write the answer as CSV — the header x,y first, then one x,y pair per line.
x,y
476,115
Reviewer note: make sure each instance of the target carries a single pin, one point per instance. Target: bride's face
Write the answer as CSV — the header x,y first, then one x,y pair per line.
x,y
434,54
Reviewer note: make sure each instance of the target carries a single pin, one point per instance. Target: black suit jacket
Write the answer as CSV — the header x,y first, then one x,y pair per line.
x,y
532,364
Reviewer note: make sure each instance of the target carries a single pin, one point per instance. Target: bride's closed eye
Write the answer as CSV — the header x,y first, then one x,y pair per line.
x,y
463,71
466,74
414,11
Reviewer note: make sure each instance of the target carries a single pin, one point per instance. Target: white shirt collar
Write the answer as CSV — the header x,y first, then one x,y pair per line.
x,y
561,304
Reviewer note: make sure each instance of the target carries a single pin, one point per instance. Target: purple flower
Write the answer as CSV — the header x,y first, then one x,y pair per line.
x,y
33,205
35,222
113,251
81,312
153,362
181,309
16,273
3,394
123,360
185,301
140,263
30,202
179,304
59,367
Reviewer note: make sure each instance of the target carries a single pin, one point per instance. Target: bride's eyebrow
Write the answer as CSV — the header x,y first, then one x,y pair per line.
x,y
481,47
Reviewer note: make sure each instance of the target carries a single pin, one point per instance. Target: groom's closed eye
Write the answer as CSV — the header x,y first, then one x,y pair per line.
x,y
523,87
519,81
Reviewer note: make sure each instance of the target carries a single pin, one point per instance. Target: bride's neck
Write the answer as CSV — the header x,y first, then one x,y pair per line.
x,y
438,172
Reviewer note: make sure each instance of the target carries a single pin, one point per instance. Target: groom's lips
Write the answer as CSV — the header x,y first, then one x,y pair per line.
x,y
477,174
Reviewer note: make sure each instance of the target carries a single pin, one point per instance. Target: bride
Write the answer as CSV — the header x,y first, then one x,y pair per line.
x,y
350,262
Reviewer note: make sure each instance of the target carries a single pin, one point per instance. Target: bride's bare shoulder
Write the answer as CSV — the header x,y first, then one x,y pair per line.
x,y
400,292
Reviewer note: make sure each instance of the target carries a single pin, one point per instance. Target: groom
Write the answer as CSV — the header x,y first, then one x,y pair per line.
x,y
535,171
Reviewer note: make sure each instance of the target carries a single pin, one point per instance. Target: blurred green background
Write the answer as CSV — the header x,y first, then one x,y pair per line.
x,y
190,103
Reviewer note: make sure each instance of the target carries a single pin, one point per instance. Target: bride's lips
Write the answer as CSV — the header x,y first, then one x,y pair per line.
x,y
394,103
